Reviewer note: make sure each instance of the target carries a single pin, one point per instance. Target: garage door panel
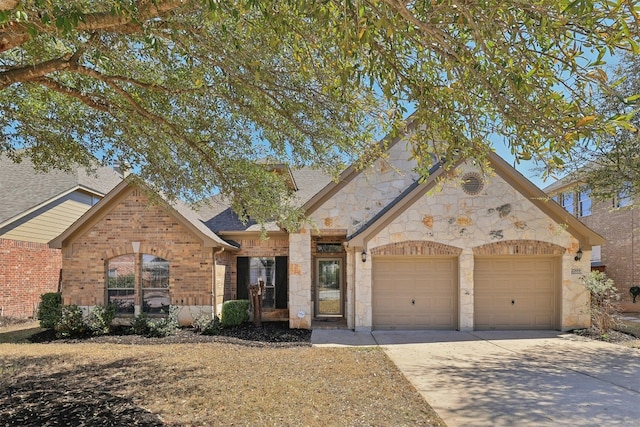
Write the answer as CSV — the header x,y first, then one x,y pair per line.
x,y
414,293
515,293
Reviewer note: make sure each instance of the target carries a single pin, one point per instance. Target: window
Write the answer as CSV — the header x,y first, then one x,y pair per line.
x,y
567,202
584,202
153,286
272,270
328,248
622,199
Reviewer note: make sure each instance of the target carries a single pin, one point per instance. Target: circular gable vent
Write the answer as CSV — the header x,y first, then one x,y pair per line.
x,y
472,183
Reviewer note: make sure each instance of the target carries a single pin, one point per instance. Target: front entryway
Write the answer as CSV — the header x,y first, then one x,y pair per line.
x,y
329,287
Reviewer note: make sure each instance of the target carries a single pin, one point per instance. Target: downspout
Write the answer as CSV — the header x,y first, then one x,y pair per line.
x,y
214,306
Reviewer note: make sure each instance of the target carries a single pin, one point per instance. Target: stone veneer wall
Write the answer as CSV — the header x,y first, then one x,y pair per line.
x,y
135,219
368,193
300,266
27,270
498,214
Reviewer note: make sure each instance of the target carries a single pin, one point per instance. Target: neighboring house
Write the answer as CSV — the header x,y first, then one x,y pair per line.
x,y
381,251
34,208
617,221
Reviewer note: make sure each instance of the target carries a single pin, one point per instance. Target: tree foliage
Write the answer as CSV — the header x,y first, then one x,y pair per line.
x,y
610,165
193,93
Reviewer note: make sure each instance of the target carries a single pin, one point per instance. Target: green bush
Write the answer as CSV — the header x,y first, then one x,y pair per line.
x,y
71,323
101,318
204,324
140,324
50,309
234,312
156,328
166,326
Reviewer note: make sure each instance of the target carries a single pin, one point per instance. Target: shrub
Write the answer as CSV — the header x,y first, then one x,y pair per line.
x,y
206,325
101,318
166,326
234,312
71,323
50,309
140,324
146,326
604,301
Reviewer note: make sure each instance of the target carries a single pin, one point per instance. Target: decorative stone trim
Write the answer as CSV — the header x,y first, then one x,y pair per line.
x,y
416,247
519,247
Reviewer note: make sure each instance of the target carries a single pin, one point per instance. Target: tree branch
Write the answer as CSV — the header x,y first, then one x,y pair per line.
x,y
32,72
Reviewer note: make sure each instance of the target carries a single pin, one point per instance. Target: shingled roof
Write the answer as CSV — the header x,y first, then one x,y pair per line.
x,y
23,189
218,216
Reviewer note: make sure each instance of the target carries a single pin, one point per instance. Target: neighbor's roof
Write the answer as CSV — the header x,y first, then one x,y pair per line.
x,y
180,210
23,189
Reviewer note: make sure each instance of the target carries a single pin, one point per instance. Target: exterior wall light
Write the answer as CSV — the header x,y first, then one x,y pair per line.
x,y
363,255
578,256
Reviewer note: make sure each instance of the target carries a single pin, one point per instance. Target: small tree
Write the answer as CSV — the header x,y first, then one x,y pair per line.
x,y
604,301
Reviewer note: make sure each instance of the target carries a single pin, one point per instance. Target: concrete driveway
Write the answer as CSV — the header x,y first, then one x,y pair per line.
x,y
523,378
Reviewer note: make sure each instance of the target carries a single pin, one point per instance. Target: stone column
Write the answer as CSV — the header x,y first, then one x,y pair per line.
x,y
363,295
465,295
300,280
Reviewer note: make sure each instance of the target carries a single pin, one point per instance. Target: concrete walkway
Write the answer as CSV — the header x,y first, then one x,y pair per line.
x,y
523,378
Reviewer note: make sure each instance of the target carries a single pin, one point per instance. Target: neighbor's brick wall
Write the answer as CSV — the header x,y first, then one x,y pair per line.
x,y
27,270
159,233
621,252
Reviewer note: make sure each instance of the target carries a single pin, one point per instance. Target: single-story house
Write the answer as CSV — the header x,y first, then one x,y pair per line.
x,y
381,250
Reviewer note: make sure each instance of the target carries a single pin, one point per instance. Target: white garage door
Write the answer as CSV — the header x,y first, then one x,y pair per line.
x,y
415,292
516,292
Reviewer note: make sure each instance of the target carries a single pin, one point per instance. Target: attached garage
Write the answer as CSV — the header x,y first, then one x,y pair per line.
x,y
415,292
516,292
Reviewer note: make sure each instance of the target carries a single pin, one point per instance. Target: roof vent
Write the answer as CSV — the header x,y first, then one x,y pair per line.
x,y
472,183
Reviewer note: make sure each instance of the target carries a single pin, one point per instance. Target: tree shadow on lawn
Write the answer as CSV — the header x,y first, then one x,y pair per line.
x,y
31,394
541,385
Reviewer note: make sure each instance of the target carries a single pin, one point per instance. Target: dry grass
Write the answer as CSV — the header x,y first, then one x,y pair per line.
x,y
224,384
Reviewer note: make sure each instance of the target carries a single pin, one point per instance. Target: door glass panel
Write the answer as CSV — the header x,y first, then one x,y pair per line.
x,y
329,289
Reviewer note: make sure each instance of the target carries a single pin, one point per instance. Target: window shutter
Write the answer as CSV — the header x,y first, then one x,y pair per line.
x,y
242,276
282,281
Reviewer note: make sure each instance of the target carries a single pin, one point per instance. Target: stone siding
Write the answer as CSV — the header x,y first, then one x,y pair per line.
x,y
367,194
27,270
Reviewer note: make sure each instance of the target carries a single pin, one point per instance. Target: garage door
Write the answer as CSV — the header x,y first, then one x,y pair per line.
x,y
414,293
515,292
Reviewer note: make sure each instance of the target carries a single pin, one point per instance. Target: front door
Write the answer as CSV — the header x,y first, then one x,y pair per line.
x,y
328,287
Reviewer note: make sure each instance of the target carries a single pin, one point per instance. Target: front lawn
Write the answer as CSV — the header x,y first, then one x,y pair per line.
x,y
86,384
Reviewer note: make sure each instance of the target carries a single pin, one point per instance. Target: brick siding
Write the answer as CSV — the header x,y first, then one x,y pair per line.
x,y
416,248
135,219
27,270
519,247
621,252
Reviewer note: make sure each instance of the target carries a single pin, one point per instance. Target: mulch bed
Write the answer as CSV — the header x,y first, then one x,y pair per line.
x,y
270,334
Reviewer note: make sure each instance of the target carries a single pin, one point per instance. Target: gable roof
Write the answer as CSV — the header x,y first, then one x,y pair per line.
x,y
584,234
219,217
179,210
24,190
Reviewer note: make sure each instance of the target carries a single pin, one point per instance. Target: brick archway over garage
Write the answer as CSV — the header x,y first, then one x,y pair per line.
x,y
416,248
519,247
